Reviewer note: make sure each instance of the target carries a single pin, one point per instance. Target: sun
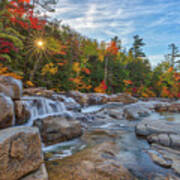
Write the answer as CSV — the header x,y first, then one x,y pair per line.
x,y
39,43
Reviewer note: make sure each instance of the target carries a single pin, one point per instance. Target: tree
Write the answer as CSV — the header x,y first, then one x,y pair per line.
x,y
137,47
174,54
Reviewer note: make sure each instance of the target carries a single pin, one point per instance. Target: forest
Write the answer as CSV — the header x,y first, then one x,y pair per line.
x,y
45,53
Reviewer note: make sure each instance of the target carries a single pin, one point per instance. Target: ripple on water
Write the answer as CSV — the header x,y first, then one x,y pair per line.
x,y
64,149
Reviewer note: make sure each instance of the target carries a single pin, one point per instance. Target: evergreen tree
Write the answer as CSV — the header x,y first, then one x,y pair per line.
x,y
137,47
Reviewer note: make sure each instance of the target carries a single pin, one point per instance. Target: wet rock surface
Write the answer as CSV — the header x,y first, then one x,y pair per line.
x,y
58,128
38,92
161,132
171,156
171,107
40,174
20,152
22,113
122,97
135,111
11,87
98,98
6,111
98,162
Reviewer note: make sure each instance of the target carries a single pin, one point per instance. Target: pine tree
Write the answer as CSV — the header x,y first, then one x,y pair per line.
x,y
137,47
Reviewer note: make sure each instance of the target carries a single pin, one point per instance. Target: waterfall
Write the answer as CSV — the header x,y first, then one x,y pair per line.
x,y
41,107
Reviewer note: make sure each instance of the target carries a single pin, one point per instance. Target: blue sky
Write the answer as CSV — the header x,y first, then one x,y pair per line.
x,y
156,21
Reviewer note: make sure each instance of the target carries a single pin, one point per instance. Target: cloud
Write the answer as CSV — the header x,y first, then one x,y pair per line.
x,y
157,21
156,59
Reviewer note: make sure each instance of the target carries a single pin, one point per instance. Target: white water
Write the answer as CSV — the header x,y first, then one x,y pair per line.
x,y
92,109
40,107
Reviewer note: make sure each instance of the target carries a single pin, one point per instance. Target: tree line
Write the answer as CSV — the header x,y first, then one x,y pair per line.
x,y
49,54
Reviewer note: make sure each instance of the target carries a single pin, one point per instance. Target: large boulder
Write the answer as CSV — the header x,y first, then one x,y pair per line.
x,y
11,87
55,129
22,112
20,152
6,111
161,132
98,162
151,127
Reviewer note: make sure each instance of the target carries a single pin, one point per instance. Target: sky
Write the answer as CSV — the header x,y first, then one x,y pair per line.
x,y
156,21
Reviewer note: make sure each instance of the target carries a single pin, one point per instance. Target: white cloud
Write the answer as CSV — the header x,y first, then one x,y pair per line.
x,y
104,19
156,59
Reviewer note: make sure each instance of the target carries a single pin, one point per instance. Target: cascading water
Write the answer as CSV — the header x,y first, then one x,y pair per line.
x,y
41,107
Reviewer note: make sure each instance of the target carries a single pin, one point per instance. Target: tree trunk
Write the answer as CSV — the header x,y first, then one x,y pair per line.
x,y
32,75
106,70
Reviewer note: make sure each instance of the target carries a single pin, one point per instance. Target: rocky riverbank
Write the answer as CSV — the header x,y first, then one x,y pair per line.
x,y
76,136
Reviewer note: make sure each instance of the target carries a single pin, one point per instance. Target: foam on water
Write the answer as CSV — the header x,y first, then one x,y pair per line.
x,y
92,109
41,107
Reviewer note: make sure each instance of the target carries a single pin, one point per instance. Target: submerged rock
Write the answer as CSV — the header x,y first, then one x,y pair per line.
x,y
98,162
158,159
55,129
6,111
11,87
170,155
20,152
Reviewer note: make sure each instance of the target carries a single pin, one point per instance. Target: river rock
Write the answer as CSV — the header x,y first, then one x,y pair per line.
x,y
170,140
20,152
97,98
81,98
158,159
55,129
150,127
6,111
22,113
40,91
116,113
40,174
135,111
168,107
98,136
169,154
122,97
11,87
98,162
161,132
